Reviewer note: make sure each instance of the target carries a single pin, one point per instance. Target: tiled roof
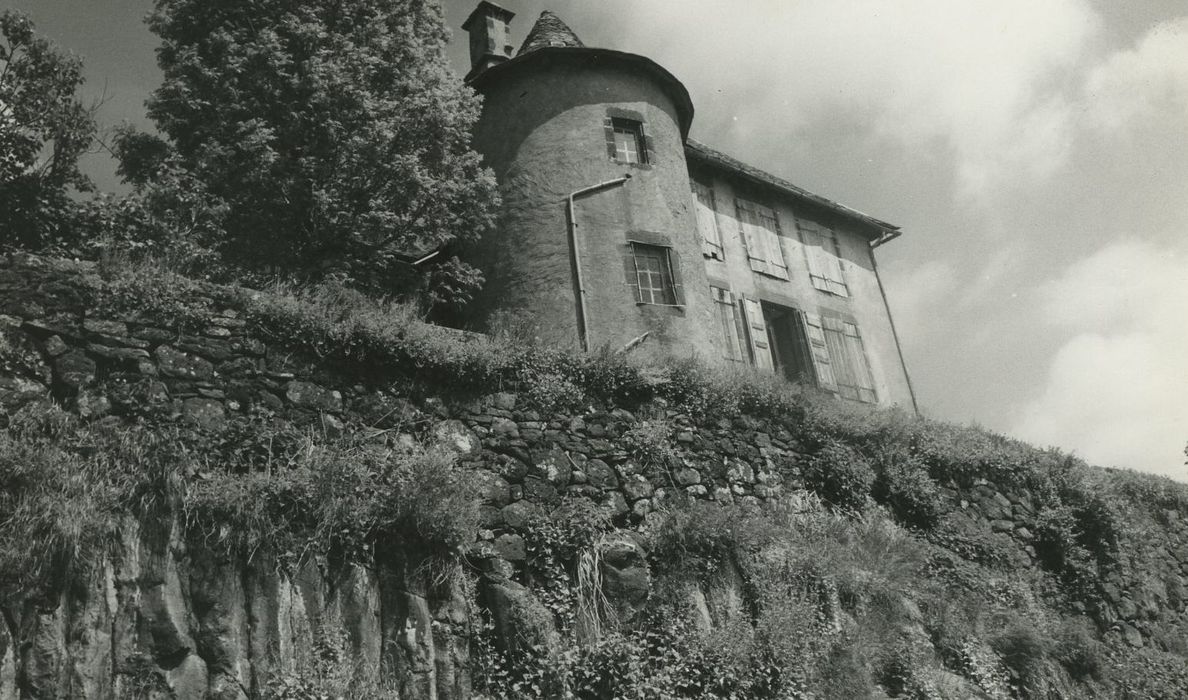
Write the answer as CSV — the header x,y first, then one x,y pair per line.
x,y
700,152
549,30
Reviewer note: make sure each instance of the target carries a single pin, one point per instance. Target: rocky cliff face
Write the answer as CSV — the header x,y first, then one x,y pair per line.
x,y
164,618
161,621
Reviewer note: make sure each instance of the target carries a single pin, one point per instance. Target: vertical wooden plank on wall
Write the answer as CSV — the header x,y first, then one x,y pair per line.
x,y
707,220
748,223
757,333
819,350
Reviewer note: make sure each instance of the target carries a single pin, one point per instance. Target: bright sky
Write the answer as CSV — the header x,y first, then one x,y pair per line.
x,y
1034,153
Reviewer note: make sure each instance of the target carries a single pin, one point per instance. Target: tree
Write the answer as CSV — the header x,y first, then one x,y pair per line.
x,y
44,129
333,135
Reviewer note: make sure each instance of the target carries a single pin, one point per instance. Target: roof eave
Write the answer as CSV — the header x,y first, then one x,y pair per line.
x,y
701,152
676,89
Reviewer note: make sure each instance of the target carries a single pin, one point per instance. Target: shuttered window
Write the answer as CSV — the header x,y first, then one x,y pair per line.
x,y
756,329
840,358
729,324
760,230
707,221
627,141
824,257
651,274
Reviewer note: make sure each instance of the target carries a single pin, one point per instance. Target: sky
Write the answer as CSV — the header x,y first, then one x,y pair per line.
x,y
1035,155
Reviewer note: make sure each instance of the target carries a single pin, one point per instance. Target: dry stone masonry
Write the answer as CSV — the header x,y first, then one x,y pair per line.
x,y
184,625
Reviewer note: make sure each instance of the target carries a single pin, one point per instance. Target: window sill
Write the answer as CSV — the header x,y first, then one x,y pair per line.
x,y
680,307
637,166
772,277
835,295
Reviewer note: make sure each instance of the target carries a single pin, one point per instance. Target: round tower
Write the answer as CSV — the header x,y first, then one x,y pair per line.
x,y
597,244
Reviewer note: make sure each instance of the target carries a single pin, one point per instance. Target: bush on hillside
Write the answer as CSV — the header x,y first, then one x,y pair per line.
x,y
904,486
841,475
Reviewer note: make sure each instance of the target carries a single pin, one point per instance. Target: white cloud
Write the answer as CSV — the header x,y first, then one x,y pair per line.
x,y
1149,80
916,295
978,80
1117,390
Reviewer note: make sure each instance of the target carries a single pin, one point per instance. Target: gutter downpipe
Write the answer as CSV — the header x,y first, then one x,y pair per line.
x,y
894,334
575,256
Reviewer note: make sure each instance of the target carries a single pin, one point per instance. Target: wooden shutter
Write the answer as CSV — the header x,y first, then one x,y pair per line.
x,y
608,127
865,379
748,221
819,350
821,251
728,322
831,257
647,150
757,333
845,369
672,260
812,253
707,221
777,266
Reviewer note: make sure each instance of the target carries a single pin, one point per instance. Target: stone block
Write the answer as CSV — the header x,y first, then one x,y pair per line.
x,y
207,414
636,486
511,547
174,363
517,514
504,428
313,396
600,474
553,466
456,437
74,371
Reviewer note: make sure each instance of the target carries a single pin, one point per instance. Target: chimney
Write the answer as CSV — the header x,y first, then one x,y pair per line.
x,y
488,29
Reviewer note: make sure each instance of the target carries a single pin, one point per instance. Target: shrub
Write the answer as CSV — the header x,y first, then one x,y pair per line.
x,y
1078,650
650,442
63,489
903,485
1024,650
841,475
343,499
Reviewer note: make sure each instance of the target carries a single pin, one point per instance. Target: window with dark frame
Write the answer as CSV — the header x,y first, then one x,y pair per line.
x,y
653,275
628,141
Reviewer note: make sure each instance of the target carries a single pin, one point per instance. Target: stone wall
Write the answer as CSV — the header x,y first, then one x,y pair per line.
x,y
161,613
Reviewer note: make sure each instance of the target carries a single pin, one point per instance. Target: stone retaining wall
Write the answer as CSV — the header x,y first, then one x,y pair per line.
x,y
116,368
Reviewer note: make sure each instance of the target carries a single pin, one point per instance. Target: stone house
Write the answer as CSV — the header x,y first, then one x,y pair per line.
x,y
615,224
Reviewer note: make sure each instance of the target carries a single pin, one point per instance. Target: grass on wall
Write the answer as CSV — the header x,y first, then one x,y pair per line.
x,y
67,488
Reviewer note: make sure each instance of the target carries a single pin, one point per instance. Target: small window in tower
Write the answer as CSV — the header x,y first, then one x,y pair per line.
x,y
629,141
653,275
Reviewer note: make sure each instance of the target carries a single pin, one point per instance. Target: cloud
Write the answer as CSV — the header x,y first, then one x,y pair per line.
x,y
1117,389
1149,80
980,81
917,294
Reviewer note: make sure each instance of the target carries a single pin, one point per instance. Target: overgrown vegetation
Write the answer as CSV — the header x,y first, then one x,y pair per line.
x,y
882,584
70,487
777,603
44,130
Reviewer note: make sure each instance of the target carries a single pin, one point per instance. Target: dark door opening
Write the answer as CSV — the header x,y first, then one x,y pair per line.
x,y
789,347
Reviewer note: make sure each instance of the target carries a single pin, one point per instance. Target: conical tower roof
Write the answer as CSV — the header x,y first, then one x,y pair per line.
x,y
549,30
